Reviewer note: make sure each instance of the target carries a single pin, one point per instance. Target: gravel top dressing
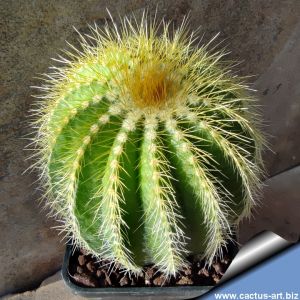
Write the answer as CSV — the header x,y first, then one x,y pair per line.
x,y
86,271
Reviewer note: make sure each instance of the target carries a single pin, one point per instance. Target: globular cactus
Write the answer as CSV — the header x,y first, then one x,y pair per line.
x,y
148,146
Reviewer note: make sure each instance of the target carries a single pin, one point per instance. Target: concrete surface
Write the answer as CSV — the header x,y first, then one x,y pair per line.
x,y
279,209
279,91
53,288
264,35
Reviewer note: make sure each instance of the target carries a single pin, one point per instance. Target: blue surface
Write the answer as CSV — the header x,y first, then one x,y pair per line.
x,y
276,278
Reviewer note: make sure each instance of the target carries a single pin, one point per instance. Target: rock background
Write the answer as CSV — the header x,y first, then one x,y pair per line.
x,y
263,35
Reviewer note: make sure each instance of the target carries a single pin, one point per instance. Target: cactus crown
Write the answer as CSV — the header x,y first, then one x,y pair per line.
x,y
147,145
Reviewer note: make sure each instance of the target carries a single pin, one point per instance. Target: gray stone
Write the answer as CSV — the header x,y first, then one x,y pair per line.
x,y
279,209
33,31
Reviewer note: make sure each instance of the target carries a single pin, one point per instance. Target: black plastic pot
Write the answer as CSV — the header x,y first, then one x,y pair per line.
x,y
127,293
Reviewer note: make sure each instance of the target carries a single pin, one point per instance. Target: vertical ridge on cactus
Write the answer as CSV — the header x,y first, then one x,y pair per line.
x,y
164,237
190,163
149,148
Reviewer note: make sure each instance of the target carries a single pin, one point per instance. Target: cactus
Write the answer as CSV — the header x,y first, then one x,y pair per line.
x,y
148,147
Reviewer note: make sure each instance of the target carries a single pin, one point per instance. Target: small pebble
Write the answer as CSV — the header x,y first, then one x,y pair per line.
x,y
159,281
148,276
149,273
85,280
187,271
107,279
81,260
147,282
216,278
90,266
218,268
204,272
185,281
124,281
99,273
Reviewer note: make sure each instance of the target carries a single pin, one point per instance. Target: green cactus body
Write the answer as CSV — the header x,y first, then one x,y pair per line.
x,y
148,148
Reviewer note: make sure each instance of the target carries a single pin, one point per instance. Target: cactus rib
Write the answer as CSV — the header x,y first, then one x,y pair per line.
x,y
111,194
206,193
165,239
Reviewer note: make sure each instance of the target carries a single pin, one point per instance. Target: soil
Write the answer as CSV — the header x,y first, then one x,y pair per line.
x,y
86,271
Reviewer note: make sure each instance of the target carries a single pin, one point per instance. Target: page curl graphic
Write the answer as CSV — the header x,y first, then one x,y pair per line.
x,y
256,250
